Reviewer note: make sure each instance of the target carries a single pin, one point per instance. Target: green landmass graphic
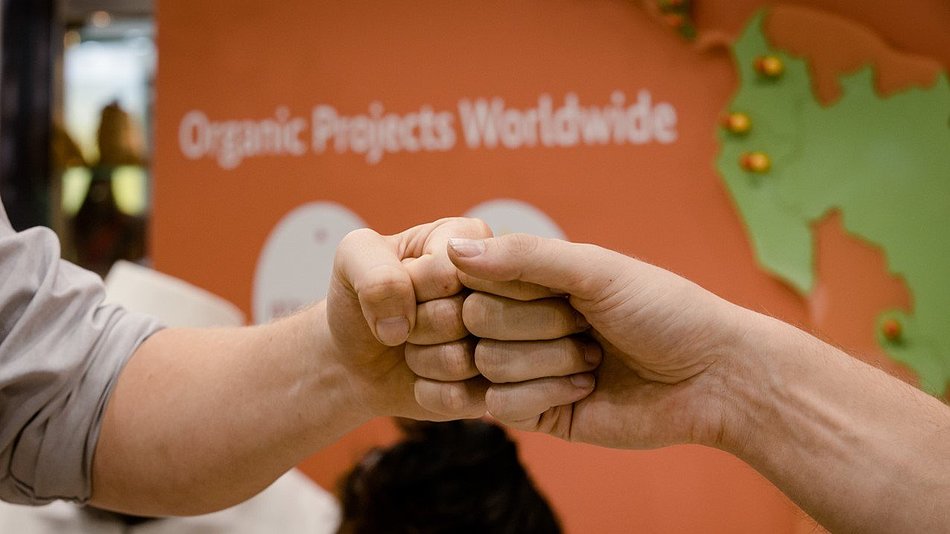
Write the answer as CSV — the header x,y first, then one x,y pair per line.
x,y
883,162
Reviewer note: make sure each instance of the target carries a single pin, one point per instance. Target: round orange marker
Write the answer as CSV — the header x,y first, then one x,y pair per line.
x,y
891,329
737,122
769,66
758,162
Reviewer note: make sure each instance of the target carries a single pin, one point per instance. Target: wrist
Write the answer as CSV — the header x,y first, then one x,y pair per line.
x,y
743,375
328,381
373,377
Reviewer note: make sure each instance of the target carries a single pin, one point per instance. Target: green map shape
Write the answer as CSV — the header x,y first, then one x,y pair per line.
x,y
883,162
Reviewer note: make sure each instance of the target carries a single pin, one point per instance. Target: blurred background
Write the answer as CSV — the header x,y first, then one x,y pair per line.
x,y
228,143
77,96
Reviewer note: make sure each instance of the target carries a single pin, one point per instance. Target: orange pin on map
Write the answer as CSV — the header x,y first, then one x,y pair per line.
x,y
891,329
769,66
737,122
757,162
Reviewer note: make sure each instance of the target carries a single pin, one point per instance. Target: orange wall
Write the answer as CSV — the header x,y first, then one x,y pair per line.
x,y
660,201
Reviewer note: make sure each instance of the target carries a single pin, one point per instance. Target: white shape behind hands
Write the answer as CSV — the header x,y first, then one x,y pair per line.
x,y
296,262
509,216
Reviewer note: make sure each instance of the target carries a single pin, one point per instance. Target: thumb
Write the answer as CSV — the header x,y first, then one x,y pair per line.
x,y
368,267
581,270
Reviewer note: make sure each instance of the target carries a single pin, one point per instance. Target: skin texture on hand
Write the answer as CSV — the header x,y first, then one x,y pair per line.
x,y
662,360
858,450
387,290
201,419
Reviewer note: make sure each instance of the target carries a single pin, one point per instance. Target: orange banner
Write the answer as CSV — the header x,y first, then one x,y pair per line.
x,y
282,126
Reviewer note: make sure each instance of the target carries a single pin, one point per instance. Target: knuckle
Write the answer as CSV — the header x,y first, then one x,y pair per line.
x,y
445,319
349,245
454,361
470,226
383,283
476,314
481,228
445,221
437,362
496,402
457,221
438,275
519,244
416,360
452,398
446,278
354,237
590,285
489,360
450,310
424,390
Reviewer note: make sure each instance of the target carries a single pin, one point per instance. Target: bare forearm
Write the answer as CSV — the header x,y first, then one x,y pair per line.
x,y
202,419
855,448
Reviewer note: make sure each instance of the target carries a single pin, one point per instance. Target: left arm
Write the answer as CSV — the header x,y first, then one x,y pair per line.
x,y
203,418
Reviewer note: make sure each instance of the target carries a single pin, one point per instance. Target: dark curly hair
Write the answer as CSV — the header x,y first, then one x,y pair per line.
x,y
454,477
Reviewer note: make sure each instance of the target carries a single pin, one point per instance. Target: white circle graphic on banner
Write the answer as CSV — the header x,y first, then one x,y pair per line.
x,y
295,264
508,216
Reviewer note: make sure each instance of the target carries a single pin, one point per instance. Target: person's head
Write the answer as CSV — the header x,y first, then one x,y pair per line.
x,y
460,476
119,140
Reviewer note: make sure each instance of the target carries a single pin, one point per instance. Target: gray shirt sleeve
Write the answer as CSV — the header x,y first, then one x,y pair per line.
x,y
61,351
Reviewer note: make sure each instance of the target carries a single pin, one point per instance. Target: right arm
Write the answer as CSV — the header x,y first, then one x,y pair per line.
x,y
855,448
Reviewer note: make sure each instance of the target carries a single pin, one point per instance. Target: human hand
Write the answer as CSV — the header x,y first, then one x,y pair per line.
x,y
386,291
666,342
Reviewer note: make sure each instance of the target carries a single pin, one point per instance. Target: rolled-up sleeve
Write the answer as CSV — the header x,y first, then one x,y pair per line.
x,y
61,351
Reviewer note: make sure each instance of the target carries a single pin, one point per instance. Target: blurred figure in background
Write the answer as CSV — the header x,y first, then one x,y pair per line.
x,y
454,477
103,233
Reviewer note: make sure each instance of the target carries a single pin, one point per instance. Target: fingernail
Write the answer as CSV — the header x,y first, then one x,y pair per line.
x,y
392,331
466,248
584,381
592,354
